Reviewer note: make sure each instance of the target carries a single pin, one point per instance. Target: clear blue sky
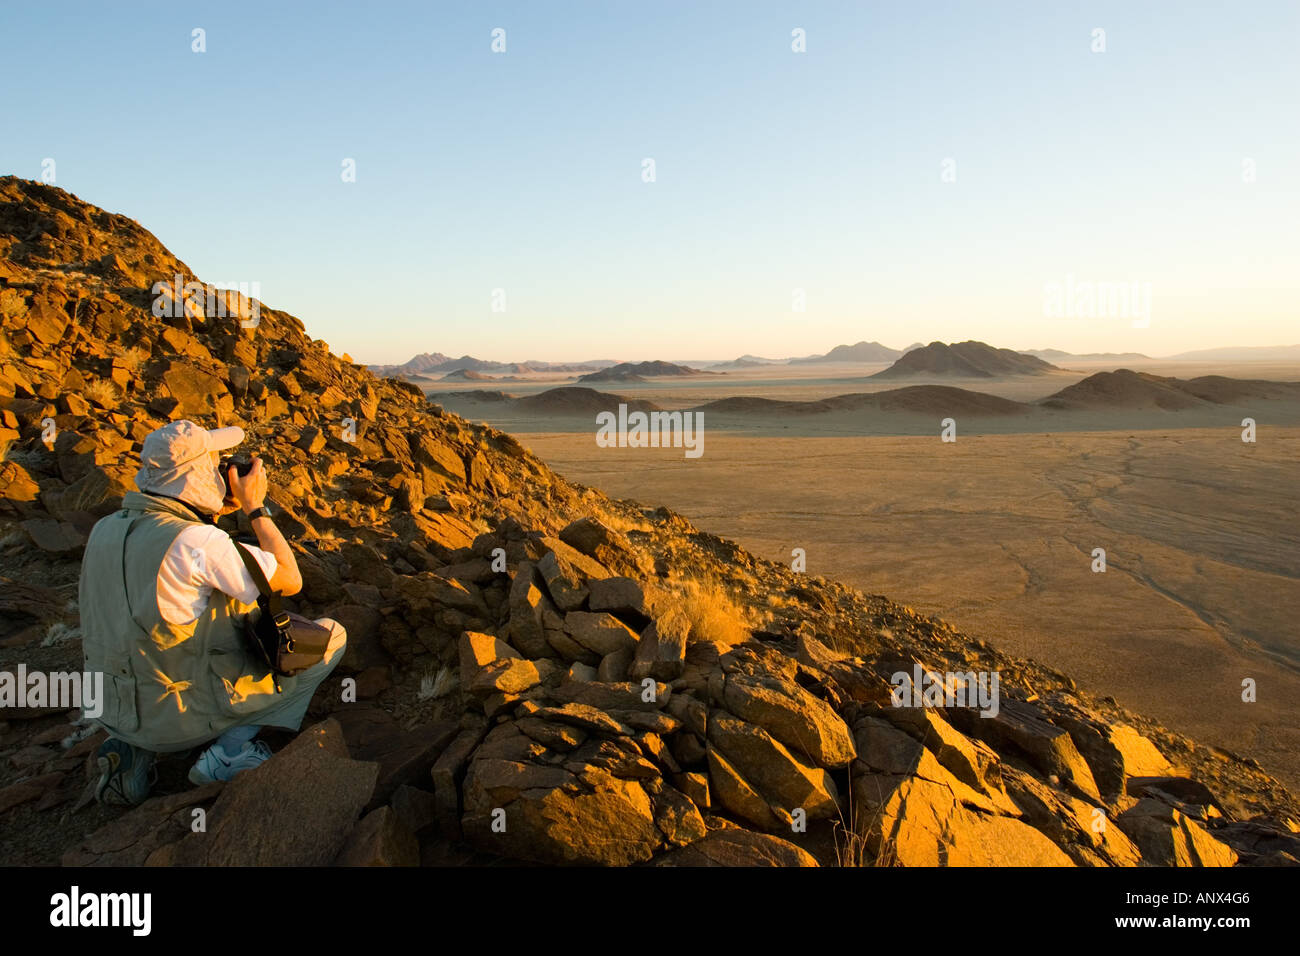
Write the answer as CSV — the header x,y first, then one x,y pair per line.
x,y
775,170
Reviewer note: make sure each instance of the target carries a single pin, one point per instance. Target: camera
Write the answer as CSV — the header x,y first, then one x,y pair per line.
x,y
241,465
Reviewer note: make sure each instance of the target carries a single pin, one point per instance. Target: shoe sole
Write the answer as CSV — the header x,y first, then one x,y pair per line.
x,y
108,766
199,778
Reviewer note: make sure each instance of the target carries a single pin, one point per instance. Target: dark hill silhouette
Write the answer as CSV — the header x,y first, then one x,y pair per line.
x,y
1127,389
964,360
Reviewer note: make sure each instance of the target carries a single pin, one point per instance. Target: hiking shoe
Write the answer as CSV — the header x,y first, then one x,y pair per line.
x,y
215,764
126,774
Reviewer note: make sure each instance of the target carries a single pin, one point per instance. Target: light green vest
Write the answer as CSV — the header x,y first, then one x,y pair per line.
x,y
167,687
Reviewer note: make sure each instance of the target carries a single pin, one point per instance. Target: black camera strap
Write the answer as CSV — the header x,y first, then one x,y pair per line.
x,y
259,577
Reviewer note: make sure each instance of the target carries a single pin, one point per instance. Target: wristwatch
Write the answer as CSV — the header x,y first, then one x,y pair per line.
x,y
262,511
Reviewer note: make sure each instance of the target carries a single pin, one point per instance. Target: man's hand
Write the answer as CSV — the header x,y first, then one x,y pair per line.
x,y
249,490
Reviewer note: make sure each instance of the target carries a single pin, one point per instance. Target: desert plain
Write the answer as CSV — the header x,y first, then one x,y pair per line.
x,y
996,531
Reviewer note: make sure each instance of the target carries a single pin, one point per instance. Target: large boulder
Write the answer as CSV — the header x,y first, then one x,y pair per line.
x,y
1170,838
736,846
785,781
1024,728
548,814
566,572
296,809
804,723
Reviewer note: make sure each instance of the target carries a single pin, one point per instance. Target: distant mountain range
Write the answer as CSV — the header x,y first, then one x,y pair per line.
x,y
435,363
862,352
964,360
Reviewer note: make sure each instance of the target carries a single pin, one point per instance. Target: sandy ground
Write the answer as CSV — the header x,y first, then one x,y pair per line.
x,y
995,533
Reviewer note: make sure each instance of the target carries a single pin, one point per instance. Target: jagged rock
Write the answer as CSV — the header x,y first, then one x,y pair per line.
x,y
883,748
549,815
793,716
447,772
608,547
57,537
528,604
404,755
416,808
198,392
20,491
626,696
1114,752
970,761
980,840
296,809
505,676
1170,838
785,781
143,831
582,673
478,650
555,735
690,711
733,793
734,846
614,666
380,839
1082,830
695,786
661,650
584,717
566,573
1190,796
677,817
624,595
1024,728
32,788
600,633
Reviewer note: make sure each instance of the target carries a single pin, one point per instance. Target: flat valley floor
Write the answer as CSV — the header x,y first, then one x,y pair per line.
x,y
996,534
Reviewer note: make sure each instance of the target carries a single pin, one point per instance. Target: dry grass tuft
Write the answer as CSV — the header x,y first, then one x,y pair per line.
x,y
101,392
714,614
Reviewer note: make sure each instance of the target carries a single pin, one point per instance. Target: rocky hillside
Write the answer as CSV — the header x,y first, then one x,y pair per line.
x,y
534,671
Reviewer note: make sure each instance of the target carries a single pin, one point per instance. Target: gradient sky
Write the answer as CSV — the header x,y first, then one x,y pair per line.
x,y
775,170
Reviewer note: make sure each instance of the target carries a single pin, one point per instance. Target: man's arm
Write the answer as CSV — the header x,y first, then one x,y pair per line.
x,y
250,492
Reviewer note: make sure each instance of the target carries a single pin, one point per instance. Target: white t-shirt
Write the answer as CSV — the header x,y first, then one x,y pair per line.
x,y
201,560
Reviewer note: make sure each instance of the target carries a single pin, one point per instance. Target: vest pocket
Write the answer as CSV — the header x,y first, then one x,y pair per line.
x,y
120,710
236,687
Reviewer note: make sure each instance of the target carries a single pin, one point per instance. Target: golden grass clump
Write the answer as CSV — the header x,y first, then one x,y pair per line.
x,y
101,392
714,615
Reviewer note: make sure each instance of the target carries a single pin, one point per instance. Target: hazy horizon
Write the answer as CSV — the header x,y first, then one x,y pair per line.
x,y
667,357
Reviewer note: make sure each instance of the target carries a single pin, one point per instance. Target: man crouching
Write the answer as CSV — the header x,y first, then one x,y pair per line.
x,y
163,598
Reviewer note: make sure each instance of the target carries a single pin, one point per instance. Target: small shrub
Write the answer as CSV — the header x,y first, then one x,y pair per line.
x,y
101,392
